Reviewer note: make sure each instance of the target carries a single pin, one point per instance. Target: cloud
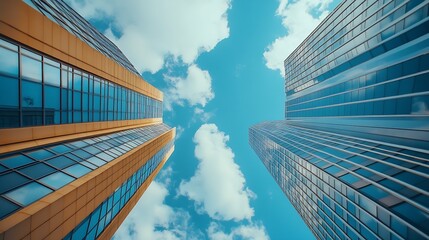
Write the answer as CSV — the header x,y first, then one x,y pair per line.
x,y
201,114
218,185
250,232
151,218
150,31
298,17
194,89
179,132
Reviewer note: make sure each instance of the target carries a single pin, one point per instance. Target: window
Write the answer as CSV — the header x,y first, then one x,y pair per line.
x,y
60,162
31,103
350,178
40,154
56,180
52,105
77,170
9,114
374,192
8,59
51,73
37,171
31,68
6,207
28,193
16,161
11,180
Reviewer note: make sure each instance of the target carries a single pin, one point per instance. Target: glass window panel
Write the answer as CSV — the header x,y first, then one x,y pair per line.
x,y
85,83
31,103
350,178
52,104
9,114
11,180
368,205
77,82
64,77
77,101
420,105
60,149
8,62
105,157
31,69
40,154
31,95
52,75
8,45
51,62
77,170
81,230
37,171
414,18
60,162
28,193
16,161
333,170
92,150
57,180
31,54
96,161
94,218
374,192
82,154
91,234
87,164
7,207
412,214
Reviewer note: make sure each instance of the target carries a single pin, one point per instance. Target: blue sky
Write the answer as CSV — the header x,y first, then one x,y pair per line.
x,y
219,64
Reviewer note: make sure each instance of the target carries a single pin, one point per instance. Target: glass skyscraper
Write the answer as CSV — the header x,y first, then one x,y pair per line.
x,y
81,133
352,154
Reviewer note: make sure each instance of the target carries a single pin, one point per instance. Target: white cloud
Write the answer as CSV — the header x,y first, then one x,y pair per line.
x,y
297,18
248,232
201,114
152,30
218,185
179,132
151,218
194,89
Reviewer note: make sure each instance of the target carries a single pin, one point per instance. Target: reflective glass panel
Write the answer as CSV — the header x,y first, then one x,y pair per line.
x,y
40,154
60,162
8,62
31,95
37,171
31,69
28,193
52,75
57,180
16,161
6,207
60,149
10,180
77,170
8,92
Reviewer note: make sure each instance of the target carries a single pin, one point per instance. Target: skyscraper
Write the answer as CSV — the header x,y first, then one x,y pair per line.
x,y
81,133
352,154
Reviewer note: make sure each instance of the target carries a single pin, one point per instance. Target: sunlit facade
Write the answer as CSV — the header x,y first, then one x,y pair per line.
x,y
352,154
81,133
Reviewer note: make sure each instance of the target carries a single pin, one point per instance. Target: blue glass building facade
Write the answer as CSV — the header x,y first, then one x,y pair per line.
x,y
352,154
81,132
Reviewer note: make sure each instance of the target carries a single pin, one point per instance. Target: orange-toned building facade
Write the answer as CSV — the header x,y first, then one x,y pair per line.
x,y
81,133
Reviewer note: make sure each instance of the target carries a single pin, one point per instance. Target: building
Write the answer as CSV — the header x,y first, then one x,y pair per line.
x,y
352,154
81,133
